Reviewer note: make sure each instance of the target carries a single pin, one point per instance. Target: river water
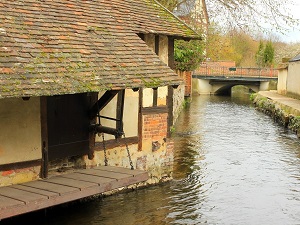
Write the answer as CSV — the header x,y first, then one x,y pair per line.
x,y
233,165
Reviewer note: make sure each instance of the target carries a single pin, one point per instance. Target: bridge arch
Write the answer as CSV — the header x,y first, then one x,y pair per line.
x,y
223,87
227,88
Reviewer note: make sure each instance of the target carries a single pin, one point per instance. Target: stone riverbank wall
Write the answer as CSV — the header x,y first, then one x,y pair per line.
x,y
286,115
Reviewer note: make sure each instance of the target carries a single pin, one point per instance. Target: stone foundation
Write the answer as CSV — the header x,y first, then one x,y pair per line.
x,y
159,163
18,176
284,115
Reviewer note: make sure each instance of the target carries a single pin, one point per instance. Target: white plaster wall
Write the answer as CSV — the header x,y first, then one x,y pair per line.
x,y
147,97
282,79
20,133
163,49
150,41
293,78
130,117
162,96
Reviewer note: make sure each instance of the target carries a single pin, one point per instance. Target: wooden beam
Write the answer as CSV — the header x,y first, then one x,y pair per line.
x,y
102,102
120,110
155,110
113,143
140,119
107,130
92,135
44,135
20,165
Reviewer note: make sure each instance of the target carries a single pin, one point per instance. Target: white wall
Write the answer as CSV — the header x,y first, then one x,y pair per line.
x,y
281,84
20,133
293,79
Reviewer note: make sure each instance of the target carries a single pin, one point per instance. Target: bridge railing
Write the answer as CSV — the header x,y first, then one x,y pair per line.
x,y
236,71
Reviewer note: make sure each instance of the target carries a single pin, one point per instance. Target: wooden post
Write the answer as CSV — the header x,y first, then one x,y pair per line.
x,y
120,110
44,136
140,119
92,135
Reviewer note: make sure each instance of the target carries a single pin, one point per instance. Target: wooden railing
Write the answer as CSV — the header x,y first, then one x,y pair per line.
x,y
236,72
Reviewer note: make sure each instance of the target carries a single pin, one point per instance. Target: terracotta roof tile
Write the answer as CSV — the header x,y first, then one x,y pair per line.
x,y
149,16
63,47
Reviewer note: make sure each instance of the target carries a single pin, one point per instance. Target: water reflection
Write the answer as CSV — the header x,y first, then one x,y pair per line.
x,y
233,165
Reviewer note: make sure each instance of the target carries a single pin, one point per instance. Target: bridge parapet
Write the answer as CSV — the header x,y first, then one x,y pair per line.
x,y
217,71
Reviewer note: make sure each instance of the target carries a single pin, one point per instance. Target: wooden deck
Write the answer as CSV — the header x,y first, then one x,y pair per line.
x,y
35,195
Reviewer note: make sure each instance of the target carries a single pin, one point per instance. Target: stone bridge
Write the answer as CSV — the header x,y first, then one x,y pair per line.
x,y
220,80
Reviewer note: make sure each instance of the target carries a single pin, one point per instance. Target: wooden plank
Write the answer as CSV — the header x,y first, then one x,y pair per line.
x,y
101,173
65,188
20,165
88,178
6,203
120,170
21,195
47,186
49,194
71,182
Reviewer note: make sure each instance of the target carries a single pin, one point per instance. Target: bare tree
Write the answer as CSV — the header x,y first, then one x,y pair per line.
x,y
250,15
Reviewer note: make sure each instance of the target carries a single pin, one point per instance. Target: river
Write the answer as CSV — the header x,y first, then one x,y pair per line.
x,y
233,165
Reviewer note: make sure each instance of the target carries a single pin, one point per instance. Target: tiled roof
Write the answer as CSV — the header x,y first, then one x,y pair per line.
x,y
296,58
63,47
148,16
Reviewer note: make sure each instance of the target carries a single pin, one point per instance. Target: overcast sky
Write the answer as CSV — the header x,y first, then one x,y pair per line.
x,y
294,34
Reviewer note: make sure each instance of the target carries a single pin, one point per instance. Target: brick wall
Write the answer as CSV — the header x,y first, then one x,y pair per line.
x,y
188,83
155,126
187,77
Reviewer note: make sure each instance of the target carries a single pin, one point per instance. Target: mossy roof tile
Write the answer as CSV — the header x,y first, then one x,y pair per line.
x,y
64,47
149,16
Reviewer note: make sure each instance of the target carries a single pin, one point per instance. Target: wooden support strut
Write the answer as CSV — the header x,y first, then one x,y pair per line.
x,y
102,102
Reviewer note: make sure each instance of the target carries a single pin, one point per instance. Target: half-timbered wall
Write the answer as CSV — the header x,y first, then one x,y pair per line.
x,y
130,118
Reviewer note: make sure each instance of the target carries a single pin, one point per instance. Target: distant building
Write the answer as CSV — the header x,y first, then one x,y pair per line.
x,y
195,14
293,77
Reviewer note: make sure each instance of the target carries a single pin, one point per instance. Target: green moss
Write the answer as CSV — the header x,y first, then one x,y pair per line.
x,y
253,96
172,129
154,82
